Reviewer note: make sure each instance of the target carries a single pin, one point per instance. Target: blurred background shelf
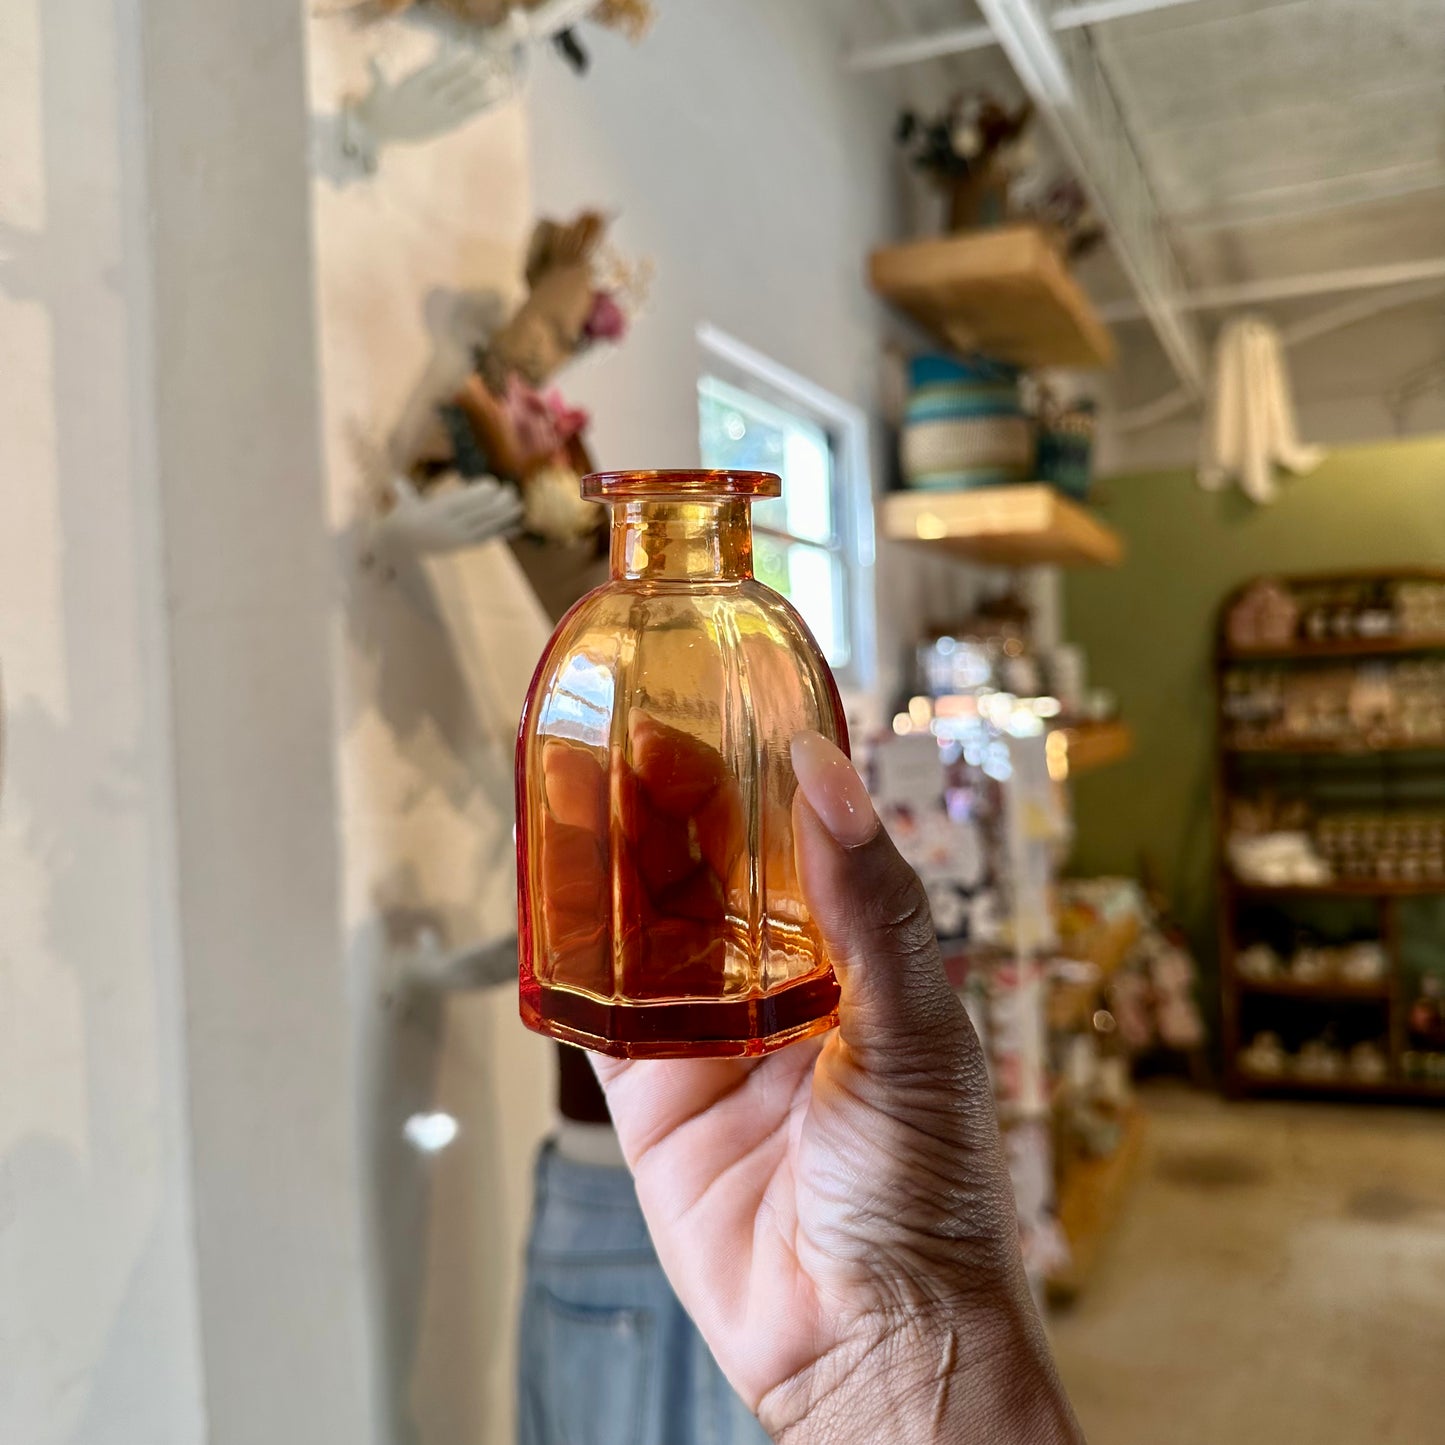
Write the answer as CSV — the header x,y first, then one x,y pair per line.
x,y
1341,888
1095,745
1338,747
1341,1088
1072,1004
1005,291
1335,991
1028,525
1337,647
1091,1194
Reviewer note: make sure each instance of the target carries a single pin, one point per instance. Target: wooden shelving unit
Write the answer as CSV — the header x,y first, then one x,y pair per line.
x,y
1325,992
1005,292
1286,1085
1275,1002
1330,649
1072,1005
1338,888
1028,525
1090,1197
1336,747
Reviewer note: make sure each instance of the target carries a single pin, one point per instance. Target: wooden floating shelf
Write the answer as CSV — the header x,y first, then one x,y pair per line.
x,y
1096,745
1005,292
1342,888
1091,1194
1030,525
1336,647
1335,991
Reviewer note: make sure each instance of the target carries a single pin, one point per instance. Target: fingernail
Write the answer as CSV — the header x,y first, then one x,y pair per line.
x,y
832,786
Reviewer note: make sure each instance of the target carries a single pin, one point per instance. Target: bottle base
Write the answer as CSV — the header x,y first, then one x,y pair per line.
x,y
695,1029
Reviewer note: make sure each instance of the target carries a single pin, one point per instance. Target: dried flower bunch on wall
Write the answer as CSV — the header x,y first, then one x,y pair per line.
x,y
508,423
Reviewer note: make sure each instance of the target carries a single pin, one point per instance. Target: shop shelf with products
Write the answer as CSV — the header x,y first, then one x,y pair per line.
x,y
1330,818
1010,725
1090,1196
994,462
972,805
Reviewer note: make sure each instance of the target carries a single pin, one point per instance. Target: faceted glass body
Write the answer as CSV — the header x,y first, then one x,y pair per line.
x,y
659,910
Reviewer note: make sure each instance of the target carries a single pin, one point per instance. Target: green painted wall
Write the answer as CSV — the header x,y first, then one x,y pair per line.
x,y
1148,630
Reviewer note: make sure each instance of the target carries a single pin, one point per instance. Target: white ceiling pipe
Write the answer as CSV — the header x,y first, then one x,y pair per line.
x,y
959,39
1310,198
1076,99
910,49
1310,328
1289,288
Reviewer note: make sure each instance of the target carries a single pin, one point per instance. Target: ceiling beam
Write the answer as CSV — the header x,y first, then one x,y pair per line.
x,y
932,45
1073,95
1289,288
1310,198
959,39
905,18
1299,333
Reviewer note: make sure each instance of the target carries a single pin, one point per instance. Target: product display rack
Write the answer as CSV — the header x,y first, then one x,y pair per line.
x,y
1310,766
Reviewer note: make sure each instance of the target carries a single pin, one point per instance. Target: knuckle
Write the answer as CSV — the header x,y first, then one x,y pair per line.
x,y
899,908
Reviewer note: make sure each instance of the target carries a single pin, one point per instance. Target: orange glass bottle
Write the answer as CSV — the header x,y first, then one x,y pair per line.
x,y
659,911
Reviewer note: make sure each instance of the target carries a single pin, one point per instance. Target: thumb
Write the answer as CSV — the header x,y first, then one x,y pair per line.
x,y
898,1014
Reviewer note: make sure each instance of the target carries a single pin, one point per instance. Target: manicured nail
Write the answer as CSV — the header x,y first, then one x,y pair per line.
x,y
832,786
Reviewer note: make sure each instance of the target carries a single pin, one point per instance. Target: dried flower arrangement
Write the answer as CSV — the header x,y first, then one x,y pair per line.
x,y
982,156
507,421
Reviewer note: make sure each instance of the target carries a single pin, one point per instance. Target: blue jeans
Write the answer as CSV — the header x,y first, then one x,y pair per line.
x,y
607,1355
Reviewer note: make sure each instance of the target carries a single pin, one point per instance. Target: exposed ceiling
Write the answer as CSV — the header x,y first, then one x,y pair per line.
x,y
1294,150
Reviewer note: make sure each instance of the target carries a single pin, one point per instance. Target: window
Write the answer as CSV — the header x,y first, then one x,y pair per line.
x,y
814,544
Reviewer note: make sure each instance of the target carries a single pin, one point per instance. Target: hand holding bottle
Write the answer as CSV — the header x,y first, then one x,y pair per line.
x,y
837,1217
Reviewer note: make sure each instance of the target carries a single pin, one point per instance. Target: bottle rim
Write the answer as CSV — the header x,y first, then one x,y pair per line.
x,y
679,485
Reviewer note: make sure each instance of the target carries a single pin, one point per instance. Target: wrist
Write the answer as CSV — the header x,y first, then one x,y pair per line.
x,y
985,1376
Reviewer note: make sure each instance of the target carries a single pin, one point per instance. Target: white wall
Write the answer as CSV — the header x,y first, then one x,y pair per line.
x,y
99,1339
251,594
736,150
432,664
179,1206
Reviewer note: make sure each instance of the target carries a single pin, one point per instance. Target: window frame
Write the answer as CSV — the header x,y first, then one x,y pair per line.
x,y
738,365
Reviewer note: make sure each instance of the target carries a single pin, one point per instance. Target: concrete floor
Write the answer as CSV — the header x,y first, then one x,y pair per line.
x,y
1277,1277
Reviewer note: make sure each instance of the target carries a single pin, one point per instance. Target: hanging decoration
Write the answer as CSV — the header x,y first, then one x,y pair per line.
x,y
480,62
510,431
1249,427
579,296
519,21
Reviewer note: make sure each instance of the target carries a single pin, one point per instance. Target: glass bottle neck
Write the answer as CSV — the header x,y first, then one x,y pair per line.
x,y
694,541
